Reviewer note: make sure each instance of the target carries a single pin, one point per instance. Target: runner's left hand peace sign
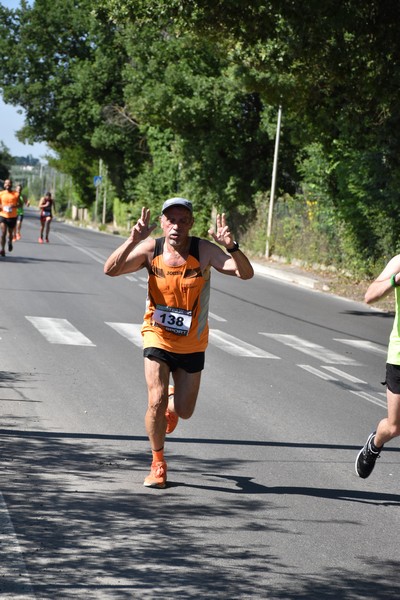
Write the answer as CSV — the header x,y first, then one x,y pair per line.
x,y
222,235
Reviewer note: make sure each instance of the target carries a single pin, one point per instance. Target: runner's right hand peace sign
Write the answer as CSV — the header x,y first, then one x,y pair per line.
x,y
142,229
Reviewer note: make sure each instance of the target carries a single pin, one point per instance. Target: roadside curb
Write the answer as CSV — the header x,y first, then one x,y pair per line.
x,y
287,276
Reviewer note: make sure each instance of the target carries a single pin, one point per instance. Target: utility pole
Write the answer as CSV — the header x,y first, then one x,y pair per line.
x,y
97,183
273,182
103,220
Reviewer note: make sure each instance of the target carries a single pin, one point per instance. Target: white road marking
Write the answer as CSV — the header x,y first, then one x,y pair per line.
x,y
343,374
12,566
89,252
370,398
315,350
318,373
130,278
216,317
364,345
59,331
224,341
236,347
131,331
360,393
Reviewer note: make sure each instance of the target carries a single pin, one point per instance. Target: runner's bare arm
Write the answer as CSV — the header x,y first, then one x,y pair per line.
x,y
231,264
382,286
132,255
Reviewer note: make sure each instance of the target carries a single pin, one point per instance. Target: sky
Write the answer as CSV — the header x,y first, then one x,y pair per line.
x,y
11,120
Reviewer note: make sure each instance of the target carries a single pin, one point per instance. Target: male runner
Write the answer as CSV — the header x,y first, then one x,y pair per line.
x,y
175,328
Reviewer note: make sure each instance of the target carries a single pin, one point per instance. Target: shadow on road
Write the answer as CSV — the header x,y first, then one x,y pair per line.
x,y
86,526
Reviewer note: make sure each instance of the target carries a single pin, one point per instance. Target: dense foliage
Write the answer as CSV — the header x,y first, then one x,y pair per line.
x,y
5,162
181,96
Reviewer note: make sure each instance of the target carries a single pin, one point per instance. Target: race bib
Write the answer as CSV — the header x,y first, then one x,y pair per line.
x,y
8,209
174,320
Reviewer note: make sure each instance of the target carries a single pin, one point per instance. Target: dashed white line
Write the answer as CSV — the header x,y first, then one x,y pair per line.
x,y
216,317
325,376
370,398
364,345
12,566
343,375
315,350
318,373
92,253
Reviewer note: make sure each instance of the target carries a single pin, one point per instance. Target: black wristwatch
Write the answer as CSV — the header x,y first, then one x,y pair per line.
x,y
234,249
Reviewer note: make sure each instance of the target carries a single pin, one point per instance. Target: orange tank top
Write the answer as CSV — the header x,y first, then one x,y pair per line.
x,y
176,317
9,202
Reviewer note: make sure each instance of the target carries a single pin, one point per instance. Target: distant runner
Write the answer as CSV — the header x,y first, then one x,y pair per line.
x,y
46,205
9,203
20,213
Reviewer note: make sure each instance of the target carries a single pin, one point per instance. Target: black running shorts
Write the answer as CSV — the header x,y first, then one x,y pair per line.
x,y
392,380
10,223
191,363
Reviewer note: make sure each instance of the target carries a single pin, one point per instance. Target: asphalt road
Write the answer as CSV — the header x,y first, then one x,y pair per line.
x,y
262,501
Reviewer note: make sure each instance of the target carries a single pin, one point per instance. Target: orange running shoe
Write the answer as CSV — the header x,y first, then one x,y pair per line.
x,y
157,477
172,417
40,240
18,236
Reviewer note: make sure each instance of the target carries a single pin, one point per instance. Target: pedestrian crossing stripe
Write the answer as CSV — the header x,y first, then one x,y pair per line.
x,y
222,340
130,331
237,347
59,331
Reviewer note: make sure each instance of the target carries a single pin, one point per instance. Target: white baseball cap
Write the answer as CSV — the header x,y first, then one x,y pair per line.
x,y
177,202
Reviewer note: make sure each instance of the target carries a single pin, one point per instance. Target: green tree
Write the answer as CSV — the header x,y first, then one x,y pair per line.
x,y
5,161
63,66
195,116
335,69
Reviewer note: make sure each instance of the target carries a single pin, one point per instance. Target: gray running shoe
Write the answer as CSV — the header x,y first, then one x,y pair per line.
x,y
366,458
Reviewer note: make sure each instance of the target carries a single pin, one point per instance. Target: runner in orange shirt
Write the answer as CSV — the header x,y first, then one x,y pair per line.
x,y
9,203
175,328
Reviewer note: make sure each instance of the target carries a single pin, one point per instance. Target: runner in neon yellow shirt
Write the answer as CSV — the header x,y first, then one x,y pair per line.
x,y
389,427
20,212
